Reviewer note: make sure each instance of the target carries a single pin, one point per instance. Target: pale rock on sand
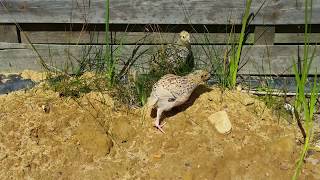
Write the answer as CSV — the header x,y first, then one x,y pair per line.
x,y
221,122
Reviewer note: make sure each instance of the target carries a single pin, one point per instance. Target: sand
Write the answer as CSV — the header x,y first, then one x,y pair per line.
x,y
93,138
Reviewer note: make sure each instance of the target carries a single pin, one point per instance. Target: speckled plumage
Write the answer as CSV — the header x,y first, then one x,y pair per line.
x,y
176,57
172,90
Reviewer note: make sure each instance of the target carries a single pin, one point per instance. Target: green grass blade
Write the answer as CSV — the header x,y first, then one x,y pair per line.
x,y
234,62
301,80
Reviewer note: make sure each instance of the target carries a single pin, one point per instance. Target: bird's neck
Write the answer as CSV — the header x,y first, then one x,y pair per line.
x,y
194,80
183,43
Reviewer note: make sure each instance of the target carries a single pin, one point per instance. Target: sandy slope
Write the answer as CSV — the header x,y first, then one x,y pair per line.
x,y
91,138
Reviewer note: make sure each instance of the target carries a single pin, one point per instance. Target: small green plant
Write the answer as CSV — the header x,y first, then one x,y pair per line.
x,y
75,86
236,55
68,87
109,60
225,67
302,104
142,89
143,85
218,63
276,103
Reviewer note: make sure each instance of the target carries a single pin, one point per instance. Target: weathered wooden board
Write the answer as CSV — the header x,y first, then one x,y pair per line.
x,y
8,33
98,37
48,11
315,66
156,38
273,60
264,35
64,37
18,57
154,12
289,38
165,38
258,59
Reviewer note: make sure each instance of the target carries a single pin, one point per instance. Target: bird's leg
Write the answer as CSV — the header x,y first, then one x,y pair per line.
x,y
157,121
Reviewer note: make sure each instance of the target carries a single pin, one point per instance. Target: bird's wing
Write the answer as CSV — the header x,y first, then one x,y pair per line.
x,y
165,97
164,93
180,86
176,53
182,52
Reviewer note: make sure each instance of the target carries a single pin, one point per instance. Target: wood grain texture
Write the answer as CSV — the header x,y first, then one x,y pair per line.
x,y
15,57
264,35
97,37
48,11
287,38
72,37
315,66
258,59
165,38
255,60
64,37
8,33
268,60
155,12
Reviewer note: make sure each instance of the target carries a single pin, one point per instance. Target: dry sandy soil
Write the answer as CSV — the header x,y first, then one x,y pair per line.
x,y
91,137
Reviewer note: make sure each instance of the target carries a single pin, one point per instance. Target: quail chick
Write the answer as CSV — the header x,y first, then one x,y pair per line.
x,y
172,90
175,58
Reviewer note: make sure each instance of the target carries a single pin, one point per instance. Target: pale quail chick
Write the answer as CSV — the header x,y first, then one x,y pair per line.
x,y
172,90
175,58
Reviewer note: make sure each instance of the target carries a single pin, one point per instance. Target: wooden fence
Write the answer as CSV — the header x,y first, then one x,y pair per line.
x,y
65,30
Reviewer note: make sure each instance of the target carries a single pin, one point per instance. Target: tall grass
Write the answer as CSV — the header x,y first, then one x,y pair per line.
x,y
225,66
109,60
302,104
236,55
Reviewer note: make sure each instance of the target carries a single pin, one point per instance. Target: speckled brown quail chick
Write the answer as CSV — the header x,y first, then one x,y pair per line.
x,y
174,58
172,90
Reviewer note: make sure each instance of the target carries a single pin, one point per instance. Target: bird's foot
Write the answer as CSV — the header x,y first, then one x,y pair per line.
x,y
158,126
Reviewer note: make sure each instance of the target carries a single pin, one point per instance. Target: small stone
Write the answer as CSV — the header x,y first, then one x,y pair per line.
x,y
157,155
248,101
239,87
221,122
45,108
284,166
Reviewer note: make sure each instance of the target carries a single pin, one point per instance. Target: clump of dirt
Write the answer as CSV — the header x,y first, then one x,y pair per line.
x,y
92,138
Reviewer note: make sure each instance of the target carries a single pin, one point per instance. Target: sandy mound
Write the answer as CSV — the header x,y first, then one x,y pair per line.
x,y
91,138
